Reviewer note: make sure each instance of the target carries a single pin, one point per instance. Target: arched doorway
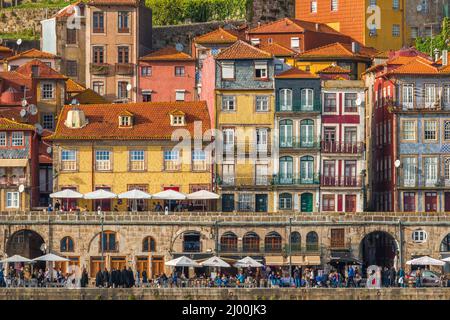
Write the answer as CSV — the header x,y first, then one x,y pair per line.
x,y
444,249
26,243
378,248
307,202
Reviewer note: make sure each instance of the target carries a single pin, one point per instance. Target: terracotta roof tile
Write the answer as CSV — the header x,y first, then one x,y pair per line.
x,y
74,87
218,36
243,50
295,73
334,69
113,2
67,11
5,49
278,50
44,71
89,96
288,25
33,54
151,121
418,65
8,124
339,50
167,54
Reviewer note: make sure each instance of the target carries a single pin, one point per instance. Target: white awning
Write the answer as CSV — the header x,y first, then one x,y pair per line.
x,y
182,262
66,194
425,261
50,257
135,194
100,194
169,195
13,162
203,195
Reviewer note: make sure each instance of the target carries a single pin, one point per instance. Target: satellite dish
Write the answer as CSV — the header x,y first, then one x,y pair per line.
x,y
24,103
23,113
129,87
397,163
43,247
19,42
179,47
21,188
419,8
49,150
39,128
32,109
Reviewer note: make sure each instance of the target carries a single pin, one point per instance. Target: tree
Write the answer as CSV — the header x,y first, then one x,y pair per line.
x,y
441,41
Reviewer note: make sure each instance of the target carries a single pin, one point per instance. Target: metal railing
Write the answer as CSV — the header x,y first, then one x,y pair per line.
x,y
333,181
342,147
298,143
99,68
280,180
418,104
125,69
298,106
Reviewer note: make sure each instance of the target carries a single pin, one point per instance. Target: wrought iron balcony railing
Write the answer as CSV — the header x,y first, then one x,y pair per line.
x,y
298,106
342,147
333,181
284,180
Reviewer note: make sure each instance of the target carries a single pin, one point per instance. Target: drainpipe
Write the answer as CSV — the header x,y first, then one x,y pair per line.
x,y
400,237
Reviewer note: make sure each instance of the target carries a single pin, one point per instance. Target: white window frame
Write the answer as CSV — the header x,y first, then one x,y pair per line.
x,y
431,127
262,66
409,130
180,95
68,160
3,139
286,98
12,200
137,160
409,171
334,5
430,95
408,96
228,70
419,236
262,103
101,163
430,167
15,137
295,43
307,99
48,91
228,103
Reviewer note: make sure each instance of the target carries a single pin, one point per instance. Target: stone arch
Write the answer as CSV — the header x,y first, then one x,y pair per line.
x,y
440,239
378,247
148,244
25,242
177,238
94,242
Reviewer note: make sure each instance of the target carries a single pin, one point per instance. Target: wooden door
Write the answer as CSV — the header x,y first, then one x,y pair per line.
x,y
409,202
430,201
157,266
118,263
142,264
447,202
96,265
307,202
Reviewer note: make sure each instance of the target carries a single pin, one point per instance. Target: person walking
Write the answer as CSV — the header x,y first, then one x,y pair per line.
x,y
84,278
105,277
144,278
392,277
401,278
351,277
99,279
419,278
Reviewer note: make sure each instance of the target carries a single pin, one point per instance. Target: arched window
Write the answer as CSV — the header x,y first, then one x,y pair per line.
x,y
285,201
296,241
286,170
110,243
250,242
66,245
312,241
307,99
191,242
286,133
307,169
228,242
307,133
285,100
445,244
148,244
272,242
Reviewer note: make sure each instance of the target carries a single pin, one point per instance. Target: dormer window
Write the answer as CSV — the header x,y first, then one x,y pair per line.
x,y
177,118
126,120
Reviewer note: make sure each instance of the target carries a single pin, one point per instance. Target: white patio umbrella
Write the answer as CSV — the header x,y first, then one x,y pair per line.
x,y
169,195
50,257
100,194
203,195
135,195
247,262
446,259
425,261
16,258
66,194
182,262
215,262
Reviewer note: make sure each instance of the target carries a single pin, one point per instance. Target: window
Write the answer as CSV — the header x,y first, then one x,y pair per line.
x,y
446,94
47,91
125,121
98,22
137,160
146,96
228,103
71,68
245,202
171,160
285,100
199,160
48,121
227,70
261,69
307,133
278,67
296,241
312,241
66,245
285,201
148,244
109,242
431,170
262,136
334,5
414,32
286,133
408,96
261,174
71,35
328,202
409,130
146,71
330,102
430,95
419,236
177,120
430,128
409,171
447,169
396,30
228,175
180,95
350,102
250,242
179,71
272,242
123,22
3,139
307,96
262,103
447,130
98,54
17,139
395,4
337,238
295,44
306,170
255,41
12,200
123,54
103,160
68,160
228,242
313,6
99,87
122,92
286,170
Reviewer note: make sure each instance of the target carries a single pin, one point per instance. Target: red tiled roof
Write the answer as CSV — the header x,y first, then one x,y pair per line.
x,y
73,86
278,50
8,124
113,2
167,54
418,65
243,50
339,50
151,121
334,69
67,11
44,71
288,25
89,96
218,36
5,49
295,73
33,54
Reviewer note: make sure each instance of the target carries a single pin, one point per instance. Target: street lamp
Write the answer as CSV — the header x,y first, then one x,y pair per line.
x,y
102,218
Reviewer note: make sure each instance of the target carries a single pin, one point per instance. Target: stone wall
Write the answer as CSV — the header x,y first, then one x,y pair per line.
x,y
270,10
19,20
226,294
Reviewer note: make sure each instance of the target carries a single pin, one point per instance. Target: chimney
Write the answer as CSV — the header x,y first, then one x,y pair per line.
x,y
317,27
445,57
76,119
355,47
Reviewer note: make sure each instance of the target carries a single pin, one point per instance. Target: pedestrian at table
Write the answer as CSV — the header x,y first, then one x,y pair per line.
x,y
138,279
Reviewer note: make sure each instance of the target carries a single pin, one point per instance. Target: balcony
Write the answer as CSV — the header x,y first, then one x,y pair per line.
x,y
289,180
170,165
334,181
297,143
297,106
418,104
13,181
99,69
420,182
342,147
247,148
125,69
231,181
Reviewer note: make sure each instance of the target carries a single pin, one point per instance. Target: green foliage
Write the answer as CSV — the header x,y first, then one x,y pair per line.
x,y
40,4
440,41
26,34
166,12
